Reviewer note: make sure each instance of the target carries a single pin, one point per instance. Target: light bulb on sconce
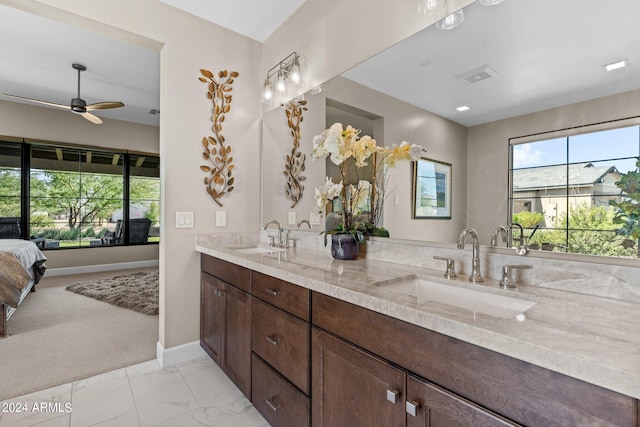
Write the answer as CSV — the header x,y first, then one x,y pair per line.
x,y
281,86
287,74
429,7
267,92
451,21
490,2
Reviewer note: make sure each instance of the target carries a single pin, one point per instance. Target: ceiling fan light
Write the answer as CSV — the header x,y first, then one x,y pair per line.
x,y
429,7
490,2
451,21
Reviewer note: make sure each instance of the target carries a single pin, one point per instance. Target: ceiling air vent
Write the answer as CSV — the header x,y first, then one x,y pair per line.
x,y
478,74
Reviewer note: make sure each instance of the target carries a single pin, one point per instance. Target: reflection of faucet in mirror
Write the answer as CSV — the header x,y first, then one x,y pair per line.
x,y
500,230
273,221
303,221
519,239
475,276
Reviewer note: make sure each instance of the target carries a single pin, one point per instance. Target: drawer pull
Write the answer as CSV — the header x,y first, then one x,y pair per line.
x,y
392,395
412,408
273,405
273,292
273,340
218,292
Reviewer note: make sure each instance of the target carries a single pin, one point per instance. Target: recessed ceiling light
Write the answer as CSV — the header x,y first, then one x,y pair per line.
x,y
616,65
463,108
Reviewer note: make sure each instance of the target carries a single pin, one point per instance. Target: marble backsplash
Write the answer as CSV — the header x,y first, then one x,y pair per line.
x,y
620,282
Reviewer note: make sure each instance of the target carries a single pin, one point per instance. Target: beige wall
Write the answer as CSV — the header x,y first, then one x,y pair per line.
x,y
488,152
188,44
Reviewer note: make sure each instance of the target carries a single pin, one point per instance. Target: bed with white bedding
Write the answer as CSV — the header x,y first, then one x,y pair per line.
x,y
21,267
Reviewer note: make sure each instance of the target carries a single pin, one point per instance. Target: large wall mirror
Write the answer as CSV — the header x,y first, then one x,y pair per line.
x,y
523,69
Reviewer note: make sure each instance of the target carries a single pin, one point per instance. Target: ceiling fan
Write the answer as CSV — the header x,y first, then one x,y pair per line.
x,y
78,105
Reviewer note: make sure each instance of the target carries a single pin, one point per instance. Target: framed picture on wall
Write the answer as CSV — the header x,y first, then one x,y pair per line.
x,y
431,190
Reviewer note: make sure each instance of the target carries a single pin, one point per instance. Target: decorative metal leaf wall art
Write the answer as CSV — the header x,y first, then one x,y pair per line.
x,y
219,180
295,161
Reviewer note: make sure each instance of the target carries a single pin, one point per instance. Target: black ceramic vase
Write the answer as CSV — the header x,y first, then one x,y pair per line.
x,y
344,246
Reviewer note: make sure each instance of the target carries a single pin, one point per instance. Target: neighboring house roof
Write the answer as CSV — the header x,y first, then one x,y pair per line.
x,y
580,174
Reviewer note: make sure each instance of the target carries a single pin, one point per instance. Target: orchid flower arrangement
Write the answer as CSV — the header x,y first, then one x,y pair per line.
x,y
340,144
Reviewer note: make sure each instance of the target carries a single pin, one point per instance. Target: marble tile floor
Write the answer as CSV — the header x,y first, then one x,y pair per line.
x,y
195,393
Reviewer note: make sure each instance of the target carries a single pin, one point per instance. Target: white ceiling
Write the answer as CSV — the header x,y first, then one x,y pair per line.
x,y
37,53
542,59
257,19
546,53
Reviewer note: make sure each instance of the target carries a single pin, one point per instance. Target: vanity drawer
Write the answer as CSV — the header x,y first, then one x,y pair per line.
x,y
231,273
287,296
279,402
282,340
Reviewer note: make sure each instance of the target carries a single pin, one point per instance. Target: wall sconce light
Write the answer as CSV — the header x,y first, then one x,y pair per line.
x,y
287,72
490,2
451,21
429,7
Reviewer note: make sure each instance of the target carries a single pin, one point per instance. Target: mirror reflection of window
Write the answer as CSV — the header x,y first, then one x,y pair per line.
x,y
564,185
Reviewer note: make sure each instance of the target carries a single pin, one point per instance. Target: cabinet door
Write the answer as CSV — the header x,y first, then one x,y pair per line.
x,y
211,315
352,388
430,406
236,347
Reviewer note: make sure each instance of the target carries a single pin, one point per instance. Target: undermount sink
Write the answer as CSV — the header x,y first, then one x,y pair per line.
x,y
469,299
258,250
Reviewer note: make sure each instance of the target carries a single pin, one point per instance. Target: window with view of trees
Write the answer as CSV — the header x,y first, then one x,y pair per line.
x,y
80,197
570,188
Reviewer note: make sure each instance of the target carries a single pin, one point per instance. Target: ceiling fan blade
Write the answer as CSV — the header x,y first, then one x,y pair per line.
x,y
51,104
104,105
93,119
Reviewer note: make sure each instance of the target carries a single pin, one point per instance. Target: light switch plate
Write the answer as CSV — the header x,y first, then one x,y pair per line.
x,y
184,219
314,218
221,218
292,218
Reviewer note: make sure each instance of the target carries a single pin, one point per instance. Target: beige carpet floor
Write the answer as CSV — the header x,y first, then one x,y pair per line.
x,y
56,337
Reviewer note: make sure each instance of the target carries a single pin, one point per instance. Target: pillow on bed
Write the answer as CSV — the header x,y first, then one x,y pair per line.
x,y
13,279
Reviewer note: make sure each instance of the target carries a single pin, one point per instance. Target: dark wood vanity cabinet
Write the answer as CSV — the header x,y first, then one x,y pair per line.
x,y
428,405
280,340
304,358
473,383
352,388
225,321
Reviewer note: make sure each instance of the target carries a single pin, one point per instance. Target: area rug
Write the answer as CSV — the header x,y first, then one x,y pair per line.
x,y
135,291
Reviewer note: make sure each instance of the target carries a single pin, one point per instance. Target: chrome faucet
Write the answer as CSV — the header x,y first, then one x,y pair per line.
x,y
519,239
303,221
475,276
273,221
500,230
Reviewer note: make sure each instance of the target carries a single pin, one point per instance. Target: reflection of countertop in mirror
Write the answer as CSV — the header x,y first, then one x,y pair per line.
x,y
590,338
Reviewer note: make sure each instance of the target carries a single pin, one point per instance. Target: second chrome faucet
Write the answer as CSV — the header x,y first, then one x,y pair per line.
x,y
476,275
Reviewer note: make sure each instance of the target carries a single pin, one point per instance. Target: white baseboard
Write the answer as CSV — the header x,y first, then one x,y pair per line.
x,y
178,354
101,267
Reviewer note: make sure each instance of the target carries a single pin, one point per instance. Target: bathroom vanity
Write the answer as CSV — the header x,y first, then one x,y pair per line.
x,y
314,341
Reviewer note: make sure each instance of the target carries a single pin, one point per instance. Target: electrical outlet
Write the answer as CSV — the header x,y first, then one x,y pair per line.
x,y
221,218
292,218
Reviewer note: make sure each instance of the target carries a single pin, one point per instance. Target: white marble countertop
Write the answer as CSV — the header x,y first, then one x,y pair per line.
x,y
593,339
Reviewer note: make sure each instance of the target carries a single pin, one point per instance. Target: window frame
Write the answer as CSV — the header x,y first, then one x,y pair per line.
x,y
565,133
26,145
